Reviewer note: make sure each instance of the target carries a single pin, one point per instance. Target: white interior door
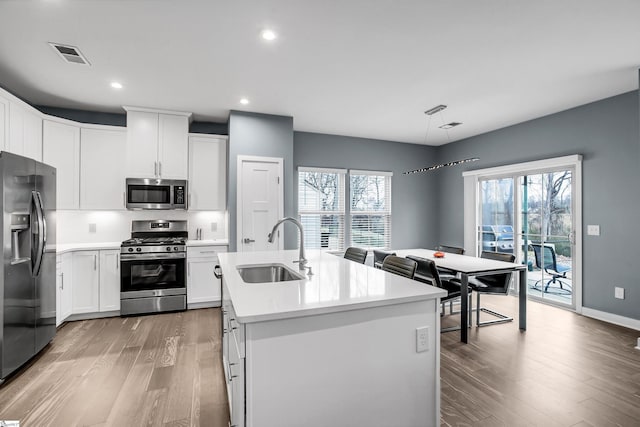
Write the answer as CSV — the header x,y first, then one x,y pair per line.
x,y
260,202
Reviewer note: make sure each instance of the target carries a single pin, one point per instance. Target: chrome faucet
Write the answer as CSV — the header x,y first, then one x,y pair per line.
x,y
302,260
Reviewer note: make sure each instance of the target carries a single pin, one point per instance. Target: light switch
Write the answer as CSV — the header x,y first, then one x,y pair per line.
x,y
619,293
593,230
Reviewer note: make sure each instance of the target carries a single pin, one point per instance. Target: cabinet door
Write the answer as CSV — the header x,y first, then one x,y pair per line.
x,y
25,132
61,149
142,144
86,294
102,173
207,173
59,318
202,285
66,294
4,124
110,280
173,146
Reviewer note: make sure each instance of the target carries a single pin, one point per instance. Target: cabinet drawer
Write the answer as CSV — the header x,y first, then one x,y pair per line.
x,y
205,251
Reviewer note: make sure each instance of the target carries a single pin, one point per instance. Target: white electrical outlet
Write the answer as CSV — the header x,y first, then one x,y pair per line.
x,y
214,226
619,293
92,228
593,230
422,339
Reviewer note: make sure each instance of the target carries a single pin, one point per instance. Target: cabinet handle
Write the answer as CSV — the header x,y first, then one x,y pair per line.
x,y
124,199
95,262
62,281
117,261
189,200
188,270
155,168
160,169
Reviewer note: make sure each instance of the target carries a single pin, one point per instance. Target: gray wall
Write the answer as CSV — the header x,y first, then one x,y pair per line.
x,y
414,206
253,134
606,134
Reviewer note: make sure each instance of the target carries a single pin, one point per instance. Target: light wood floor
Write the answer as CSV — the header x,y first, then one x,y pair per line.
x,y
162,370
565,370
165,370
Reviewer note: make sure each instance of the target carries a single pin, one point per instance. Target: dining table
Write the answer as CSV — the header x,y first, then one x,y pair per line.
x,y
470,266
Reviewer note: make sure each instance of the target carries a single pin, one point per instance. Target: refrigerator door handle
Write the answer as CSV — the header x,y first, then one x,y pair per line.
x,y
41,232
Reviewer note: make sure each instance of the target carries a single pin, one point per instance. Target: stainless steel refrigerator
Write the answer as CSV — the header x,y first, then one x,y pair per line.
x,y
28,288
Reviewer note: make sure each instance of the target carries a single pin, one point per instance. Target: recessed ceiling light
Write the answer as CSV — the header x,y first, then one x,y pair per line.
x,y
116,85
269,35
450,125
244,101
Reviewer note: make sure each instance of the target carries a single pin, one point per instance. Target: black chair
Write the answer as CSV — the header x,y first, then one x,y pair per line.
x,y
427,272
497,284
358,255
379,256
400,266
450,249
546,260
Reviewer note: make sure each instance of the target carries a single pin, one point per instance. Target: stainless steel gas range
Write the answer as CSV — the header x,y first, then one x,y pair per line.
x,y
153,268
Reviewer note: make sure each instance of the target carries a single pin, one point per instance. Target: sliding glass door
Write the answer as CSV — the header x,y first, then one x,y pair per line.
x,y
532,215
548,231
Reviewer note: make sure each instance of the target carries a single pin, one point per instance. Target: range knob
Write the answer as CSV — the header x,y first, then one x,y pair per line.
x,y
130,249
168,248
138,249
175,248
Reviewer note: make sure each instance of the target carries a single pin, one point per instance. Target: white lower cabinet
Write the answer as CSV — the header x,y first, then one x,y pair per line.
x,y
63,288
86,282
203,288
233,360
96,281
110,280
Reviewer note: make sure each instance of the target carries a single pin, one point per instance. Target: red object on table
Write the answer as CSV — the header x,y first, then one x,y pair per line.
x,y
438,254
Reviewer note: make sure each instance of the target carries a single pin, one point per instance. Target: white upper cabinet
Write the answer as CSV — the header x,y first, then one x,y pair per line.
x,y
157,144
207,172
102,171
4,123
25,131
61,149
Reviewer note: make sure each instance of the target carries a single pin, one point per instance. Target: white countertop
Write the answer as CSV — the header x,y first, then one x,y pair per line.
x,y
336,285
95,246
68,247
211,242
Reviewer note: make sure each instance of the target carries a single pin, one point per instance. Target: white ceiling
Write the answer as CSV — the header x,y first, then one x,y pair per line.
x,y
367,68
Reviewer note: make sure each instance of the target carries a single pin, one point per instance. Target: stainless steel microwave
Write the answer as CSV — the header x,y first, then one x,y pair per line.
x,y
154,193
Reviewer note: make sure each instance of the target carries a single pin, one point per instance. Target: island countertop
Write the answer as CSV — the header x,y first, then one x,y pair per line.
x,y
336,285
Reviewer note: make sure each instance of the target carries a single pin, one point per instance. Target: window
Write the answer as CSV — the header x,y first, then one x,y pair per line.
x,y
370,209
321,207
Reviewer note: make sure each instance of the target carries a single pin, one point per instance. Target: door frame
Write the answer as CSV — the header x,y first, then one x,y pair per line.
x,y
471,212
257,159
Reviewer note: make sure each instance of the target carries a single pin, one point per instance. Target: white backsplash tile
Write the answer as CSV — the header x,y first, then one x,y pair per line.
x,y
114,226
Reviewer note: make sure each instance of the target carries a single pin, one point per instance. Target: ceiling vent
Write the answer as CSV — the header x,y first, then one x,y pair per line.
x,y
70,53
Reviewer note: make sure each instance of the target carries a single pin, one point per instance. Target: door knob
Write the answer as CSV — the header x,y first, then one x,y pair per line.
x,y
248,240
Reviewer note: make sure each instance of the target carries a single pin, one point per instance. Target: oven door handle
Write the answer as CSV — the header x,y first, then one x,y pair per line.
x,y
152,256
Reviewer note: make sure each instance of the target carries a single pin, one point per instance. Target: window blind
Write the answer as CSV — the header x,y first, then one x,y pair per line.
x,y
370,209
321,207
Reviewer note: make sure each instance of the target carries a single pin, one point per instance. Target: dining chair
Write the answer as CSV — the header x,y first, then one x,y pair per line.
x,y
427,272
379,256
450,249
401,266
358,255
495,284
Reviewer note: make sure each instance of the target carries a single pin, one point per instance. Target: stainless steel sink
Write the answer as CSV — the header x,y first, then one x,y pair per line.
x,y
267,273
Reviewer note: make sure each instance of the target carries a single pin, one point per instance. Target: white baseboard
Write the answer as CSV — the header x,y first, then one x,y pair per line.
x,y
627,322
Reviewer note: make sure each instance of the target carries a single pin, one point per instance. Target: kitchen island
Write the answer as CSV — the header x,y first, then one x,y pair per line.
x,y
348,345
